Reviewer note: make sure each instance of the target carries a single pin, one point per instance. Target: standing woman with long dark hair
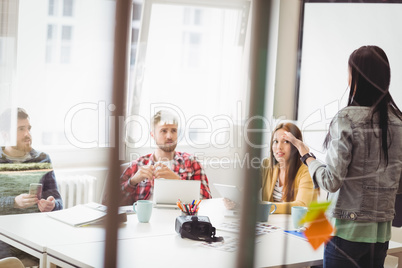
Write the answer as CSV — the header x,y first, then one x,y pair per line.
x,y
363,166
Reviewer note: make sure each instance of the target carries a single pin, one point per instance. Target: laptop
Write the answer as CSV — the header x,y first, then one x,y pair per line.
x,y
168,192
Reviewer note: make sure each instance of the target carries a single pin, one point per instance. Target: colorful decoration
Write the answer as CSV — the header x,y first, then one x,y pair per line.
x,y
319,229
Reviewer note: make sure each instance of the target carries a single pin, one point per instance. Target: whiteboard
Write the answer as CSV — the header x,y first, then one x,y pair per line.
x,y
331,32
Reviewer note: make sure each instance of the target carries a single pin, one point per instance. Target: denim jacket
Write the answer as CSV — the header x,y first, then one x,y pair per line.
x,y
360,185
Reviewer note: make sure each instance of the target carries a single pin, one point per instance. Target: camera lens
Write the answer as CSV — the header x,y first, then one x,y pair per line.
x,y
186,227
202,229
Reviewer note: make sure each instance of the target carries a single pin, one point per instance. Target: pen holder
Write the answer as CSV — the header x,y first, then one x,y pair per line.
x,y
189,209
187,214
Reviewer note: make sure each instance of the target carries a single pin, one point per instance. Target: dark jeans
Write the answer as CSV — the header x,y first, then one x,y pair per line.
x,y
346,254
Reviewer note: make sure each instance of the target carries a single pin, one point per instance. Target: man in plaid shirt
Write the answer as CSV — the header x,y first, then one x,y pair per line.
x,y
137,180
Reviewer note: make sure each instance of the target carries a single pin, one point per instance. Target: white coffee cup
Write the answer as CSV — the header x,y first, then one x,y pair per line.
x,y
298,213
143,208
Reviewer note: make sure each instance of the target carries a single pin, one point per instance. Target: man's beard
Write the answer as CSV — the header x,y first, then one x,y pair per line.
x,y
26,147
167,148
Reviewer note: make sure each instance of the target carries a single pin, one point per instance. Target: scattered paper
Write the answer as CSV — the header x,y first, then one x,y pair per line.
x,y
229,244
260,228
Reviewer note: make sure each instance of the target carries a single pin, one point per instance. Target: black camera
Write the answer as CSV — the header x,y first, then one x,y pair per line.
x,y
196,228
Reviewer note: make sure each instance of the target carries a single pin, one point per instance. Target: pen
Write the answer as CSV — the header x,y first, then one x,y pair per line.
x,y
187,209
179,205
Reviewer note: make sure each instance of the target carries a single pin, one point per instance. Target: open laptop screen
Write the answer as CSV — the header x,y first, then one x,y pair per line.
x,y
167,192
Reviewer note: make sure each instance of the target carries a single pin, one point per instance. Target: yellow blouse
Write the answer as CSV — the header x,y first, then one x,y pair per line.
x,y
303,187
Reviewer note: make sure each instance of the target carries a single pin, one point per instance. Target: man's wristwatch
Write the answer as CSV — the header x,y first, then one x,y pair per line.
x,y
304,157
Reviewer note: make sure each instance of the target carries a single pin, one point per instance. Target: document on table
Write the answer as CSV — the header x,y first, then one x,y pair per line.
x,y
229,244
260,228
296,233
84,214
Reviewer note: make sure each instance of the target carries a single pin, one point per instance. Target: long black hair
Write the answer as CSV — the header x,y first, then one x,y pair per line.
x,y
369,86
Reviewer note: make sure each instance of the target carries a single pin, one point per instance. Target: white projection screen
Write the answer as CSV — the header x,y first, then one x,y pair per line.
x,y
330,31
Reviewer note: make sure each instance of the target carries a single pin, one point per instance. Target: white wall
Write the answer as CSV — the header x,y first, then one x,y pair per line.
x,y
331,32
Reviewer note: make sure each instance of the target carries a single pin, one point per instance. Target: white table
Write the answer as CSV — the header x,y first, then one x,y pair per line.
x,y
170,250
34,233
173,251
152,244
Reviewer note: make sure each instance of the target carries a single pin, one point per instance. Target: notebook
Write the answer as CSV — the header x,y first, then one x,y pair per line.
x,y
167,192
85,214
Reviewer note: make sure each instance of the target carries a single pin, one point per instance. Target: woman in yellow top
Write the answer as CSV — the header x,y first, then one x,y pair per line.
x,y
284,179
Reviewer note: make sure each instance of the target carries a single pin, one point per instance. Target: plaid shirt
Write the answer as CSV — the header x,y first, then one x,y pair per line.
x,y
185,165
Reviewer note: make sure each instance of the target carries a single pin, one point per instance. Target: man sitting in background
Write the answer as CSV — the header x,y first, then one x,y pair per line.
x,y
21,165
23,153
164,162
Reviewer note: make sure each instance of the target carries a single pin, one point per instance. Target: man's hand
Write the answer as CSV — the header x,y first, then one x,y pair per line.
x,y
25,201
47,205
162,171
144,172
229,204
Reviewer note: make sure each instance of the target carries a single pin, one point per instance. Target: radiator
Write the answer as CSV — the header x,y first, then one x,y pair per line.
x,y
76,189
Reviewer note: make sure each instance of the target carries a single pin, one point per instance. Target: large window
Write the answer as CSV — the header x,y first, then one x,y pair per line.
x,y
64,70
190,59
8,47
187,56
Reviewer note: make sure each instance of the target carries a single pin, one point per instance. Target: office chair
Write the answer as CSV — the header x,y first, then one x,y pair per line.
x,y
11,262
